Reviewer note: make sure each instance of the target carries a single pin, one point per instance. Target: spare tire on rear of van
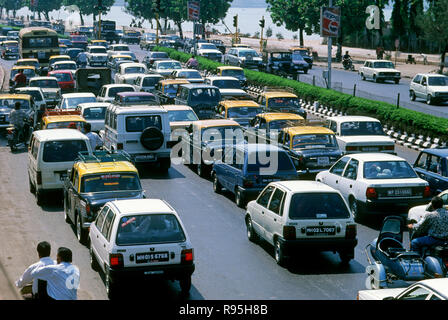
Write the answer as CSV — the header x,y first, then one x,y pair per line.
x,y
152,138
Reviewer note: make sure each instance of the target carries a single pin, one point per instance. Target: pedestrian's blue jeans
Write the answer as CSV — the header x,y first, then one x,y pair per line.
x,y
427,241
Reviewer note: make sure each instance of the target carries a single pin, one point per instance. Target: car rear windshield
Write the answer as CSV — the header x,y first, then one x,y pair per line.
x,y
208,47
159,55
65,66
65,125
385,64
37,96
140,123
189,74
63,151
388,170
95,113
114,90
283,102
150,81
110,182
227,84
9,103
243,112
182,115
274,160
280,124
98,50
205,95
63,77
44,83
232,73
362,128
134,70
28,72
73,102
169,65
305,141
149,229
320,205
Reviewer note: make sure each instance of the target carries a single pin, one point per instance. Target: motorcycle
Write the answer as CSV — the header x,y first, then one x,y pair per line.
x,y
17,138
348,64
393,262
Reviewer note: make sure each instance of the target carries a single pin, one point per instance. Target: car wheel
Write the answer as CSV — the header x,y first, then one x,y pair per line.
x,y
39,198
412,95
375,79
185,285
111,288
429,99
202,170
278,253
251,233
239,198
66,209
217,188
397,81
345,256
305,71
165,164
80,232
31,185
354,208
362,77
93,261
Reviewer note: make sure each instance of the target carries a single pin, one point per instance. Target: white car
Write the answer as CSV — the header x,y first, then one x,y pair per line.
x,y
376,183
165,67
136,240
431,289
94,113
207,50
65,65
109,91
128,72
229,87
191,75
50,88
115,49
379,70
295,216
147,82
38,98
433,88
357,134
72,100
418,212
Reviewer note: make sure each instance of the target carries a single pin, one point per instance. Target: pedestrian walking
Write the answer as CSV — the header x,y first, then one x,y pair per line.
x,y
94,139
62,278
39,287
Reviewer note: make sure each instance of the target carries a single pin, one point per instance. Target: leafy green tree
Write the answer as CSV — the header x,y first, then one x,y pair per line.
x,y
45,7
86,7
12,5
269,32
212,11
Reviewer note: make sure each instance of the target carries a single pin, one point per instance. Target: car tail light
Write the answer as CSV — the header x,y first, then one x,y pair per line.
x,y
351,148
392,147
371,193
187,256
119,146
88,209
116,260
289,232
427,192
350,231
445,262
39,177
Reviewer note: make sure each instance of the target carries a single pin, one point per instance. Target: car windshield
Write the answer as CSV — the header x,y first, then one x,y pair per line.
x,y
169,65
438,81
296,56
232,73
9,103
28,63
78,39
65,66
318,205
281,162
65,125
388,170
129,70
62,77
72,53
205,95
148,229
121,48
227,84
208,47
171,88
28,72
98,50
114,90
110,182
159,55
362,128
246,53
189,74
46,83
285,123
140,123
383,64
243,112
94,113
219,133
281,56
37,96
147,99
182,115
281,102
63,151
309,141
150,81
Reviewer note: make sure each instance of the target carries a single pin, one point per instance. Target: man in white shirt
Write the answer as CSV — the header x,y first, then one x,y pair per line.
x,y
62,279
39,288
94,139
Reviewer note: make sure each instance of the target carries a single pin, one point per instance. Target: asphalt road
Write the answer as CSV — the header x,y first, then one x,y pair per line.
x,y
228,266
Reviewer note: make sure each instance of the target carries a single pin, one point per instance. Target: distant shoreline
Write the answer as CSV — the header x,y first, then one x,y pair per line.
x,y
237,4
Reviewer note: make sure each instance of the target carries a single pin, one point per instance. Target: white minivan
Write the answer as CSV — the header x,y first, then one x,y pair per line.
x,y
51,154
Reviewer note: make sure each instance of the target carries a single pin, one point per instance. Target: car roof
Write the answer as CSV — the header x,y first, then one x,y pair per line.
x,y
96,47
132,64
63,118
164,61
64,61
239,103
28,59
15,96
59,71
184,70
258,147
304,186
441,152
279,94
28,89
271,116
439,285
104,167
115,85
141,206
60,56
120,56
137,109
23,67
174,81
431,75
213,78
135,94
86,105
215,123
44,78
59,134
376,60
198,85
229,68
307,130
352,118
375,157
171,107
78,94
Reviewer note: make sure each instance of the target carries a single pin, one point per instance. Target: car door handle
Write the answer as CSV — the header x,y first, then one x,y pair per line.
x,y
351,186
262,212
336,181
104,245
275,219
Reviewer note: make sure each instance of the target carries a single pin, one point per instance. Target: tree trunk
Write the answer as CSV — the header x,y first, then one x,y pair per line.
x,y
301,37
39,15
165,25
94,17
442,58
179,25
46,14
82,19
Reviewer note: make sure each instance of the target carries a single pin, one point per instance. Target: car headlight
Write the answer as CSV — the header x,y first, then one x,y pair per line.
x,y
397,74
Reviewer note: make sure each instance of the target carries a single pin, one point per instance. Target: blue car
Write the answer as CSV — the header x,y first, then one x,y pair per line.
x,y
432,165
246,169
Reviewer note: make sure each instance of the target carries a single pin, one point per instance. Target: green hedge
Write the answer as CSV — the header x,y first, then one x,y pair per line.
x,y
400,118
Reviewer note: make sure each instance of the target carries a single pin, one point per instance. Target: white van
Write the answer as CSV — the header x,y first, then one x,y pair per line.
x,y
51,154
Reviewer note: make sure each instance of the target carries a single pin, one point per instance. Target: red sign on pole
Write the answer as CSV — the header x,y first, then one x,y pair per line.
x,y
330,21
194,9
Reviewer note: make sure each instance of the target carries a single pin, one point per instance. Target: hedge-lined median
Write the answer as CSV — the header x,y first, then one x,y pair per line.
x,y
404,120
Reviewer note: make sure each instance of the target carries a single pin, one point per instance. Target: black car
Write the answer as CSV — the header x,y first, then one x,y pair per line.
x,y
432,166
285,63
73,52
219,44
201,97
154,56
304,52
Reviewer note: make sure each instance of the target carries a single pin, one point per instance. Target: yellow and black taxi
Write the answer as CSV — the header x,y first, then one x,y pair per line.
x,y
59,57
101,43
7,102
281,101
60,119
206,141
241,111
28,71
166,90
231,71
312,149
266,126
95,179
28,62
9,49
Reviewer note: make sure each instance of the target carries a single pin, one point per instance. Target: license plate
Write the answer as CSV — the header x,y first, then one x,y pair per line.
x,y
323,161
370,149
151,257
320,231
399,192
153,272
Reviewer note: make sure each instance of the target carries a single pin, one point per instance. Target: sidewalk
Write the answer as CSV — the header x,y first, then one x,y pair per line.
x,y
7,287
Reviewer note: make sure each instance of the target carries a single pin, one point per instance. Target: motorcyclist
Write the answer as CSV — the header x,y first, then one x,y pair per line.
x,y
20,79
346,59
432,229
16,118
81,59
192,63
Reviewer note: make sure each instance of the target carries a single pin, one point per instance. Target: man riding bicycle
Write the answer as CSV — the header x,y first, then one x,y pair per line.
x,y
16,118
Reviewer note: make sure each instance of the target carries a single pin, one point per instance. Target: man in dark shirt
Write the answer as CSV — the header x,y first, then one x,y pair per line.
x,y
20,79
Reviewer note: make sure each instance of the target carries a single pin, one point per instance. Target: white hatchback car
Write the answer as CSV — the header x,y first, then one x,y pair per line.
x,y
94,113
72,100
379,70
431,87
140,239
376,183
302,215
109,91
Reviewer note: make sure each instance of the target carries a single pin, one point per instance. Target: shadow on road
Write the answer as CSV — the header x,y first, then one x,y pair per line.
x,y
152,171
